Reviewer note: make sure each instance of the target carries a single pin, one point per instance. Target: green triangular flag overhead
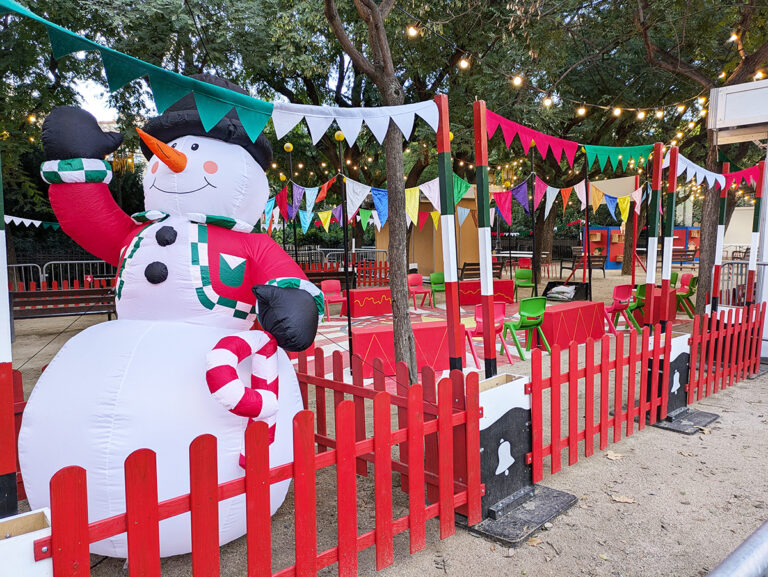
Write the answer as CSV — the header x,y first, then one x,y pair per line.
x,y
365,216
168,87
460,188
618,155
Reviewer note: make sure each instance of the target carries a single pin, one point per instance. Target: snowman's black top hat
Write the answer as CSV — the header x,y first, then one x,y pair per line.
x,y
182,118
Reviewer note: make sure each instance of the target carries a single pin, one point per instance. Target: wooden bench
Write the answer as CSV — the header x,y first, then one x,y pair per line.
x,y
471,270
682,256
57,303
596,262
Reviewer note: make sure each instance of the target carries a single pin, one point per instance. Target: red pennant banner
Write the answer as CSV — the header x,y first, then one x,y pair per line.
x,y
281,200
324,190
544,143
423,217
748,175
566,193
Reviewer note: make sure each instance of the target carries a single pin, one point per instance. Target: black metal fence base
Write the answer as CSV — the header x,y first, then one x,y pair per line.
x,y
526,515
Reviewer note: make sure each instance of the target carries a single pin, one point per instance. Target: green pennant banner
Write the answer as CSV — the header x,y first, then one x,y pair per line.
x,y
618,155
365,216
460,188
213,102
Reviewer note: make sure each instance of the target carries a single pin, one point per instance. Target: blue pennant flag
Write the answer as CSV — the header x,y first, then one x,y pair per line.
x,y
311,194
381,202
610,202
306,219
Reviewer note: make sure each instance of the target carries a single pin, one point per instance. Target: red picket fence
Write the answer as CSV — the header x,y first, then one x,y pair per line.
x,y
370,273
320,267
427,430
723,352
725,349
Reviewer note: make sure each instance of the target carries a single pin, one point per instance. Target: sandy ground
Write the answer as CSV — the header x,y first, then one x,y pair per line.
x,y
693,499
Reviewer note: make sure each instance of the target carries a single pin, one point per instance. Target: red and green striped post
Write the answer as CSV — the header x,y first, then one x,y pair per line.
x,y
484,236
669,237
653,231
448,232
752,270
715,292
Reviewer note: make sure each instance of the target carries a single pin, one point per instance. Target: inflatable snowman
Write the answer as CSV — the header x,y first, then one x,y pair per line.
x,y
192,278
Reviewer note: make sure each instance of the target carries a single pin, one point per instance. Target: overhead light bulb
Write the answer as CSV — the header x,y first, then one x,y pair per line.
x,y
464,63
759,75
702,100
721,75
674,143
581,111
641,114
691,124
547,101
274,165
517,80
412,31
734,37
681,108
679,135
617,111
659,113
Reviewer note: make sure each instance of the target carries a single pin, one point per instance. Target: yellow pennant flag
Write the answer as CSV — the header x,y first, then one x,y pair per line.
x,y
412,203
325,218
435,218
596,197
623,202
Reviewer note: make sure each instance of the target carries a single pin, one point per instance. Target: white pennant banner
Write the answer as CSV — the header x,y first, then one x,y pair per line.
x,y
462,213
551,196
376,221
691,170
285,116
431,190
581,193
356,193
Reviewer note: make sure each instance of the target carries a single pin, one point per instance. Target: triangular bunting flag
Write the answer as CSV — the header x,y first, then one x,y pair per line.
x,y
462,213
381,202
375,217
581,193
324,189
623,203
431,190
520,194
412,203
305,216
565,193
337,212
268,208
552,193
504,204
637,196
596,197
460,188
311,195
325,218
423,218
539,190
281,200
610,202
365,217
356,194
435,218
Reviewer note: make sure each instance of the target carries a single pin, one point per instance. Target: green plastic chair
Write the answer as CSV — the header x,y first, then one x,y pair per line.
x,y
531,316
684,297
673,279
638,303
524,279
437,284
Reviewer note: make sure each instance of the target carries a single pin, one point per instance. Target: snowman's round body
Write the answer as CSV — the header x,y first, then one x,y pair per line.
x,y
140,382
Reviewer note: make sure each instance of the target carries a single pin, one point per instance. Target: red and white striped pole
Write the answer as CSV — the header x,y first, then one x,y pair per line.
x,y
484,237
634,232
669,237
653,229
448,233
752,270
715,292
8,495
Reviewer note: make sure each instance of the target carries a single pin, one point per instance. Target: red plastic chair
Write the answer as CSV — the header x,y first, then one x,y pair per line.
x,y
524,263
622,298
331,290
499,310
416,287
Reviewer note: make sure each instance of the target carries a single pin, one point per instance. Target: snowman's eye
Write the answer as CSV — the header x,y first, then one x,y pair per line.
x,y
195,146
173,145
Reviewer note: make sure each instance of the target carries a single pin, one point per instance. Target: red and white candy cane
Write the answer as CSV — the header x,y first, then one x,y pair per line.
x,y
259,401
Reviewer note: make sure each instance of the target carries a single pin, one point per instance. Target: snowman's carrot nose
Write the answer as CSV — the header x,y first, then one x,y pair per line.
x,y
172,158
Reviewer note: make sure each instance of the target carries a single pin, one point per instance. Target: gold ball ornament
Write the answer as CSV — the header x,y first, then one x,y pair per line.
x,y
288,147
450,136
339,136
507,184
282,178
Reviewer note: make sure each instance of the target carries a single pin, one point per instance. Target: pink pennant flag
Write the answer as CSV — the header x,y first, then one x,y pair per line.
x,y
637,196
542,144
492,121
509,129
504,203
539,190
526,137
556,146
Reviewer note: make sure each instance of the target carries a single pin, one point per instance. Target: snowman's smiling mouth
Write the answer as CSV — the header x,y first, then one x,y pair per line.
x,y
206,185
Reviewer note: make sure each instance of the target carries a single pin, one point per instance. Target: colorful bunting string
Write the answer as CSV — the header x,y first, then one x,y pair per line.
x,y
520,194
543,142
462,213
618,155
460,188
504,204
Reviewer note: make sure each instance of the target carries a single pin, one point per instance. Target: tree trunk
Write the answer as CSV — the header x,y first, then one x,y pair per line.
x,y
709,215
629,231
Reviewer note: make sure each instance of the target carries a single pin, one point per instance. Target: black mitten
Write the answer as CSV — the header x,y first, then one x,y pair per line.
x,y
288,314
70,132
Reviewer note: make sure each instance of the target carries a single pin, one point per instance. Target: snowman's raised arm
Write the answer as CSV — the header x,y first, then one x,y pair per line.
x,y
288,305
74,147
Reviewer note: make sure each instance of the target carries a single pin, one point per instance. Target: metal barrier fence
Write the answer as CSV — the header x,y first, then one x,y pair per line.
x,y
71,271
733,283
24,275
750,559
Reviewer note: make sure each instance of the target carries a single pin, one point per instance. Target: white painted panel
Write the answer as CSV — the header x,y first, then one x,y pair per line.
x,y
486,261
719,244
5,312
739,105
666,263
448,232
650,275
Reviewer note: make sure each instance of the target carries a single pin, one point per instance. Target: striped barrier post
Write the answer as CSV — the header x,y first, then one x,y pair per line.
x,y
653,229
484,237
715,292
448,232
669,239
752,270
